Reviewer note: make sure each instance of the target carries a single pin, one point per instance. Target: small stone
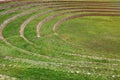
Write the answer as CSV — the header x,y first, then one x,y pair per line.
x,y
72,71
0,75
7,77
113,75
77,72
88,73
13,78
10,65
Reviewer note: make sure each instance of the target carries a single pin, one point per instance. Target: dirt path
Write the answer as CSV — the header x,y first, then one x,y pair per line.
x,y
5,0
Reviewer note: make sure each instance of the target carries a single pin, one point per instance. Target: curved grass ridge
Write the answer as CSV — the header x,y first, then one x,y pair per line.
x,y
66,66
6,22
80,15
72,10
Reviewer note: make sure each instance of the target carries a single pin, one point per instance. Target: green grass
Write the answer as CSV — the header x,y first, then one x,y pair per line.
x,y
97,34
74,52
46,74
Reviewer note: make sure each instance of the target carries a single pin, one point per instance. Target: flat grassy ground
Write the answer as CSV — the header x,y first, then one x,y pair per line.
x,y
81,48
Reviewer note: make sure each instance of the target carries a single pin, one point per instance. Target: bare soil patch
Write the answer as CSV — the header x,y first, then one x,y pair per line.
x,y
4,1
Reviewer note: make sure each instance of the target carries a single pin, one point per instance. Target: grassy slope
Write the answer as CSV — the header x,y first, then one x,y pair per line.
x,y
96,34
37,72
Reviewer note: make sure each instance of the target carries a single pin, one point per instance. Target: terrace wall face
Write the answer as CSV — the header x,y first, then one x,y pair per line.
x,y
5,0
